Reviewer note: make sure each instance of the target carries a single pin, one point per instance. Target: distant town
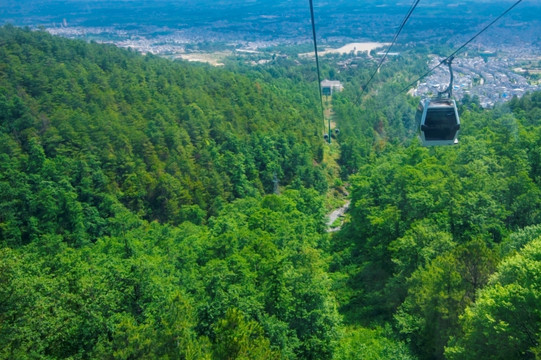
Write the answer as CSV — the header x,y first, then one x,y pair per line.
x,y
490,76
493,78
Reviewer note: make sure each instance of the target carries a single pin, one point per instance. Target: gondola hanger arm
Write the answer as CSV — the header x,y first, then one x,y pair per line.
x,y
449,90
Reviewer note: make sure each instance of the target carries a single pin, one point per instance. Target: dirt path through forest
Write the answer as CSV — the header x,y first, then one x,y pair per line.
x,y
335,215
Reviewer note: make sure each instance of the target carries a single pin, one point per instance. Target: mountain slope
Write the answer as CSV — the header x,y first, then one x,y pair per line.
x,y
81,123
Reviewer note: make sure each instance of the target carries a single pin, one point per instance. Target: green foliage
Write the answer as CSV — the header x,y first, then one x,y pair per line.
x,y
262,259
505,321
439,292
133,216
518,239
154,291
367,344
428,226
164,139
139,219
238,339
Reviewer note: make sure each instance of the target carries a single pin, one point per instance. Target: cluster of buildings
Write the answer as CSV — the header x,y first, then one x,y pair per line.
x,y
491,78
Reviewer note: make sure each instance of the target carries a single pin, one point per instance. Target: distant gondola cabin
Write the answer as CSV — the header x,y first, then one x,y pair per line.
x,y
330,86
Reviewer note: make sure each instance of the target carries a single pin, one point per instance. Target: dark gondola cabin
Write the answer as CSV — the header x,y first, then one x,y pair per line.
x,y
438,121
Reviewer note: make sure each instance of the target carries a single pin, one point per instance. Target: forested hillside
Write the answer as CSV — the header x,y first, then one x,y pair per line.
x,y
120,230
431,231
87,126
139,220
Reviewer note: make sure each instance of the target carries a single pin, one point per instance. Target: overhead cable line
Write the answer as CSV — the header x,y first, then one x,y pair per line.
x,y
460,48
318,70
406,18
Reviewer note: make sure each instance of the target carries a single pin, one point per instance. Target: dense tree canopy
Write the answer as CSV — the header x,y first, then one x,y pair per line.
x,y
505,321
119,230
428,227
170,142
139,216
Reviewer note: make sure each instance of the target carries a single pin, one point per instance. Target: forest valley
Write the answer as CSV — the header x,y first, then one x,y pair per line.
x,y
139,217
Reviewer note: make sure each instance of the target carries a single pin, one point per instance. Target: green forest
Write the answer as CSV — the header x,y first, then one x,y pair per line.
x,y
155,209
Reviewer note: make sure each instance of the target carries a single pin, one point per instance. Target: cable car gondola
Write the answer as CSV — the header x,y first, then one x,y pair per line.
x,y
438,118
439,122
